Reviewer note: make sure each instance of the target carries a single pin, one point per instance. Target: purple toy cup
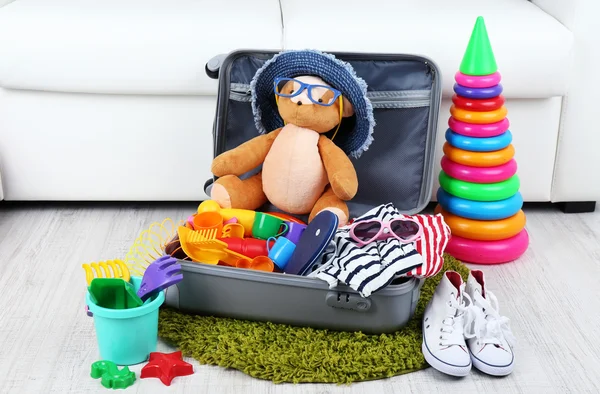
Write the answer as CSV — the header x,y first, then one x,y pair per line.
x,y
294,232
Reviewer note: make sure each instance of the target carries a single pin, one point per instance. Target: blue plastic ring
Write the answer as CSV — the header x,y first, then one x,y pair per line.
x,y
475,144
481,93
480,210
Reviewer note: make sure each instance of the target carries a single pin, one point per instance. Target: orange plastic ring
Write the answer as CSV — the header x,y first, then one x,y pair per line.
x,y
483,230
479,159
478,117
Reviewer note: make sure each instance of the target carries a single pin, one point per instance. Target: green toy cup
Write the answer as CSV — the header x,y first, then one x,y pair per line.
x,y
267,226
127,336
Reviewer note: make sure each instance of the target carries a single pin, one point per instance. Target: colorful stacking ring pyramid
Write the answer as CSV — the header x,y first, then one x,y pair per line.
x,y
479,187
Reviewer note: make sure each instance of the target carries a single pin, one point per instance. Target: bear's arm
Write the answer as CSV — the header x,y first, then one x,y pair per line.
x,y
245,157
340,170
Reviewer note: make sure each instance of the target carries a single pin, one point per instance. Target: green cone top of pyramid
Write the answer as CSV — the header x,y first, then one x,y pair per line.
x,y
479,57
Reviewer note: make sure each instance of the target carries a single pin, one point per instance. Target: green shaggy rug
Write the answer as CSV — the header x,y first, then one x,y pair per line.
x,y
282,353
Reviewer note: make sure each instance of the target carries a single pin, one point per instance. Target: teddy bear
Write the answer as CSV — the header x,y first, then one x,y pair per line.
x,y
303,170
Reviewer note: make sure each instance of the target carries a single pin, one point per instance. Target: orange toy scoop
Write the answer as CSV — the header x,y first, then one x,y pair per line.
x,y
259,263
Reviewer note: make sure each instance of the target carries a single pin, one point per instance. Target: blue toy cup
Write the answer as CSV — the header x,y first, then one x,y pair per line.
x,y
281,252
127,336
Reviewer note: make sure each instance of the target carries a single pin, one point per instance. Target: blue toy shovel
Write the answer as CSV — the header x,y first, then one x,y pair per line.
x,y
159,275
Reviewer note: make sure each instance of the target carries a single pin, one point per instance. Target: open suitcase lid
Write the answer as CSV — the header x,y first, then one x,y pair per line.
x,y
405,91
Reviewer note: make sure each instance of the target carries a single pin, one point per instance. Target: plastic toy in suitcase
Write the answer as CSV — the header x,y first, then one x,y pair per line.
x,y
404,92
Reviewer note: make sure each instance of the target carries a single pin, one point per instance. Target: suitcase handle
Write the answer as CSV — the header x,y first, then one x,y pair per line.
x,y
208,184
347,301
213,65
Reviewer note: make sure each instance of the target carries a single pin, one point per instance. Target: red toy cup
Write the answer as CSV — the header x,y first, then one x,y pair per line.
x,y
249,247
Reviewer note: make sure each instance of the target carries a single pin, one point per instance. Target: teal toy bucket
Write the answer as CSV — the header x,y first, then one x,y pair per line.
x,y
127,336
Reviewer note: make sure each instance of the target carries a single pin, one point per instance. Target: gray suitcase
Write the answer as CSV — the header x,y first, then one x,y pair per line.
x,y
405,91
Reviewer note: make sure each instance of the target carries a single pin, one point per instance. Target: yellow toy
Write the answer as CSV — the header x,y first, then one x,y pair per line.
x,y
106,269
207,251
150,245
245,217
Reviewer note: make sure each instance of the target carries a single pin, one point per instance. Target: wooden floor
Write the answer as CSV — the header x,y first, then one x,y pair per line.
x,y
47,343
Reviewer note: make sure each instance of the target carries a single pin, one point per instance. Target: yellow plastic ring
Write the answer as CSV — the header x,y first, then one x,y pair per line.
x,y
484,230
478,117
479,159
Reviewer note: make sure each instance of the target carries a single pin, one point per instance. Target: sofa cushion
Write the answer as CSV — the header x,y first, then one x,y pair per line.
x,y
127,46
532,48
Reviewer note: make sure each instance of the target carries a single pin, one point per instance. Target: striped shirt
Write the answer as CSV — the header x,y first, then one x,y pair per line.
x,y
371,267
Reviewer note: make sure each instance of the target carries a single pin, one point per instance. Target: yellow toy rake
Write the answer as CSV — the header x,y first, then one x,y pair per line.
x,y
106,269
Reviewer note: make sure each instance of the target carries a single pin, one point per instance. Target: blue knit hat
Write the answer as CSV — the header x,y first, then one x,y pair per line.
x,y
340,75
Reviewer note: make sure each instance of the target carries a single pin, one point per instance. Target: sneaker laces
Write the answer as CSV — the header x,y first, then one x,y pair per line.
x,y
489,325
455,326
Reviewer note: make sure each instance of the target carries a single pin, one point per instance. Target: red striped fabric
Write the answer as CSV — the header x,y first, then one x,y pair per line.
x,y
431,246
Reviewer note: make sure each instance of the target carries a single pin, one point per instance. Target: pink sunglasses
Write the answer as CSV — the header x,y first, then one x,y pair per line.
x,y
404,230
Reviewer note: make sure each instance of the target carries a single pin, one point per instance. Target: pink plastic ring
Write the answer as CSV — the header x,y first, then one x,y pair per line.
x,y
488,252
479,174
481,81
478,130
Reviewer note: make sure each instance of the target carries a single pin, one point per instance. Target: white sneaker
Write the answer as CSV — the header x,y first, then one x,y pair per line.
x,y
492,347
444,344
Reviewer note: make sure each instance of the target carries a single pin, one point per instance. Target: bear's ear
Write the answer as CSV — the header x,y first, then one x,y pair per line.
x,y
348,108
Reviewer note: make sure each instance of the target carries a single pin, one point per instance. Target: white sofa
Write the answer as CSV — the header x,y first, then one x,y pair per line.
x,y
109,100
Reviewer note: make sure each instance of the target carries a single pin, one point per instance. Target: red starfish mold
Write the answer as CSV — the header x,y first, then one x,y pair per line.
x,y
166,366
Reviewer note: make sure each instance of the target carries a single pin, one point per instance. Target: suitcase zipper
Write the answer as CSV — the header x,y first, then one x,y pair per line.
x,y
400,99
385,99
240,92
